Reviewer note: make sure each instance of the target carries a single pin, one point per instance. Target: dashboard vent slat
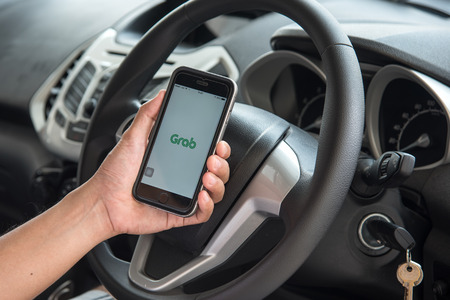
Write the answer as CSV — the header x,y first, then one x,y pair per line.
x,y
54,92
78,88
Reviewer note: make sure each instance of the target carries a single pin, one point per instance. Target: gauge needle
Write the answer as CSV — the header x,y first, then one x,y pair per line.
x,y
423,141
314,125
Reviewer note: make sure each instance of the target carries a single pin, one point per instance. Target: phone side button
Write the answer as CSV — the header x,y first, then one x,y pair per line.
x,y
163,197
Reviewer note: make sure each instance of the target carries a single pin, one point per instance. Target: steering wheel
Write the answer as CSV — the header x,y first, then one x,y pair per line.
x,y
278,172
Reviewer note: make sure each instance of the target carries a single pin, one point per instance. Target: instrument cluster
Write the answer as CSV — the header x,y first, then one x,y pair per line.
x,y
405,110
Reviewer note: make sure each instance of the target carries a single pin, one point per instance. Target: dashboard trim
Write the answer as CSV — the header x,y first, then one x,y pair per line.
x,y
255,84
106,55
439,91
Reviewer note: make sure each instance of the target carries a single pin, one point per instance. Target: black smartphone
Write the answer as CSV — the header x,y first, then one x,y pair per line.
x,y
191,122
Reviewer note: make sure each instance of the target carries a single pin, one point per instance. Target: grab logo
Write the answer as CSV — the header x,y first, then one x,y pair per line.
x,y
177,140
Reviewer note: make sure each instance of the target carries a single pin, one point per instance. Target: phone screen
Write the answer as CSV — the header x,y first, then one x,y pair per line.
x,y
183,140
192,119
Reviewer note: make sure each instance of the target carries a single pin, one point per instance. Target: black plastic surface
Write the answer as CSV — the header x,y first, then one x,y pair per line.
x,y
21,154
341,264
136,24
252,134
391,235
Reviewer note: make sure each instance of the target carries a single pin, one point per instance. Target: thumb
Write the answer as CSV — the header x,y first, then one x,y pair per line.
x,y
145,119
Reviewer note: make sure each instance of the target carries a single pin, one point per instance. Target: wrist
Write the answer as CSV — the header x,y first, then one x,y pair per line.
x,y
93,213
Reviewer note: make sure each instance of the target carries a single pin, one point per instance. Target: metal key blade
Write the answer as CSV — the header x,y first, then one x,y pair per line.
x,y
408,292
409,274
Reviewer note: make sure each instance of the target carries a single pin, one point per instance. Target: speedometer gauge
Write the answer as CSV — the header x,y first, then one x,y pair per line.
x,y
408,111
419,130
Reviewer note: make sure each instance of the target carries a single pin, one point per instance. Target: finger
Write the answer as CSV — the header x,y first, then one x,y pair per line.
x,y
214,185
223,149
219,167
144,120
204,210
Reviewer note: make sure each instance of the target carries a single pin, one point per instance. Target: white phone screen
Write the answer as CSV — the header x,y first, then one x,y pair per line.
x,y
183,141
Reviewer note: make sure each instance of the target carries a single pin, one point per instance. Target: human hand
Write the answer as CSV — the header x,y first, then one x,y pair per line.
x,y
113,182
98,210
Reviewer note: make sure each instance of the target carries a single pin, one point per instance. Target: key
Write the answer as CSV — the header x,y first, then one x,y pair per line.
x,y
409,274
390,234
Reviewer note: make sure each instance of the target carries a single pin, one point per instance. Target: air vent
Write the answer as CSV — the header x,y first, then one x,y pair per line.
x,y
51,99
78,87
117,53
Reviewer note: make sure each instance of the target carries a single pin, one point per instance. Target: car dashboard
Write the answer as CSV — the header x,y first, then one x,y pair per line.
x,y
48,99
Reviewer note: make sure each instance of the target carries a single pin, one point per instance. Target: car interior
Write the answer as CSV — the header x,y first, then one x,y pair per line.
x,y
340,139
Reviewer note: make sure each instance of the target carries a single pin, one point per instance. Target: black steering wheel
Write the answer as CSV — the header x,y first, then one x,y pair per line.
x,y
278,171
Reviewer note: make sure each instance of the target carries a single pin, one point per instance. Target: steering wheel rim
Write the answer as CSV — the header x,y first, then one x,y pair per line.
x,y
337,153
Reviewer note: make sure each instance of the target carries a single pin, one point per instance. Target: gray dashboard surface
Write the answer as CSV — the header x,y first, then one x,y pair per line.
x,y
37,35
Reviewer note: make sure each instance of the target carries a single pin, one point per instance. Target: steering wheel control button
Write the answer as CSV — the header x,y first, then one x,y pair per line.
x,y
60,119
163,197
77,131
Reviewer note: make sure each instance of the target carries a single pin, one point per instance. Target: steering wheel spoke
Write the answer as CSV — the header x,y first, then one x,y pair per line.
x,y
262,199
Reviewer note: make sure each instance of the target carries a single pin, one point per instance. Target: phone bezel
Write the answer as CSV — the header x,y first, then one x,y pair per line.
x,y
203,81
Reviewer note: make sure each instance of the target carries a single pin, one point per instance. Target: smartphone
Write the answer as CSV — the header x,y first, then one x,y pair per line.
x,y
191,122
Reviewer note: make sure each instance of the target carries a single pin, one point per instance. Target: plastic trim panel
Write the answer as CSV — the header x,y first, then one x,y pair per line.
x,y
259,78
105,54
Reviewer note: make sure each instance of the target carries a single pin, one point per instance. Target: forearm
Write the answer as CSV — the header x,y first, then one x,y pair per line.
x,y
37,253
